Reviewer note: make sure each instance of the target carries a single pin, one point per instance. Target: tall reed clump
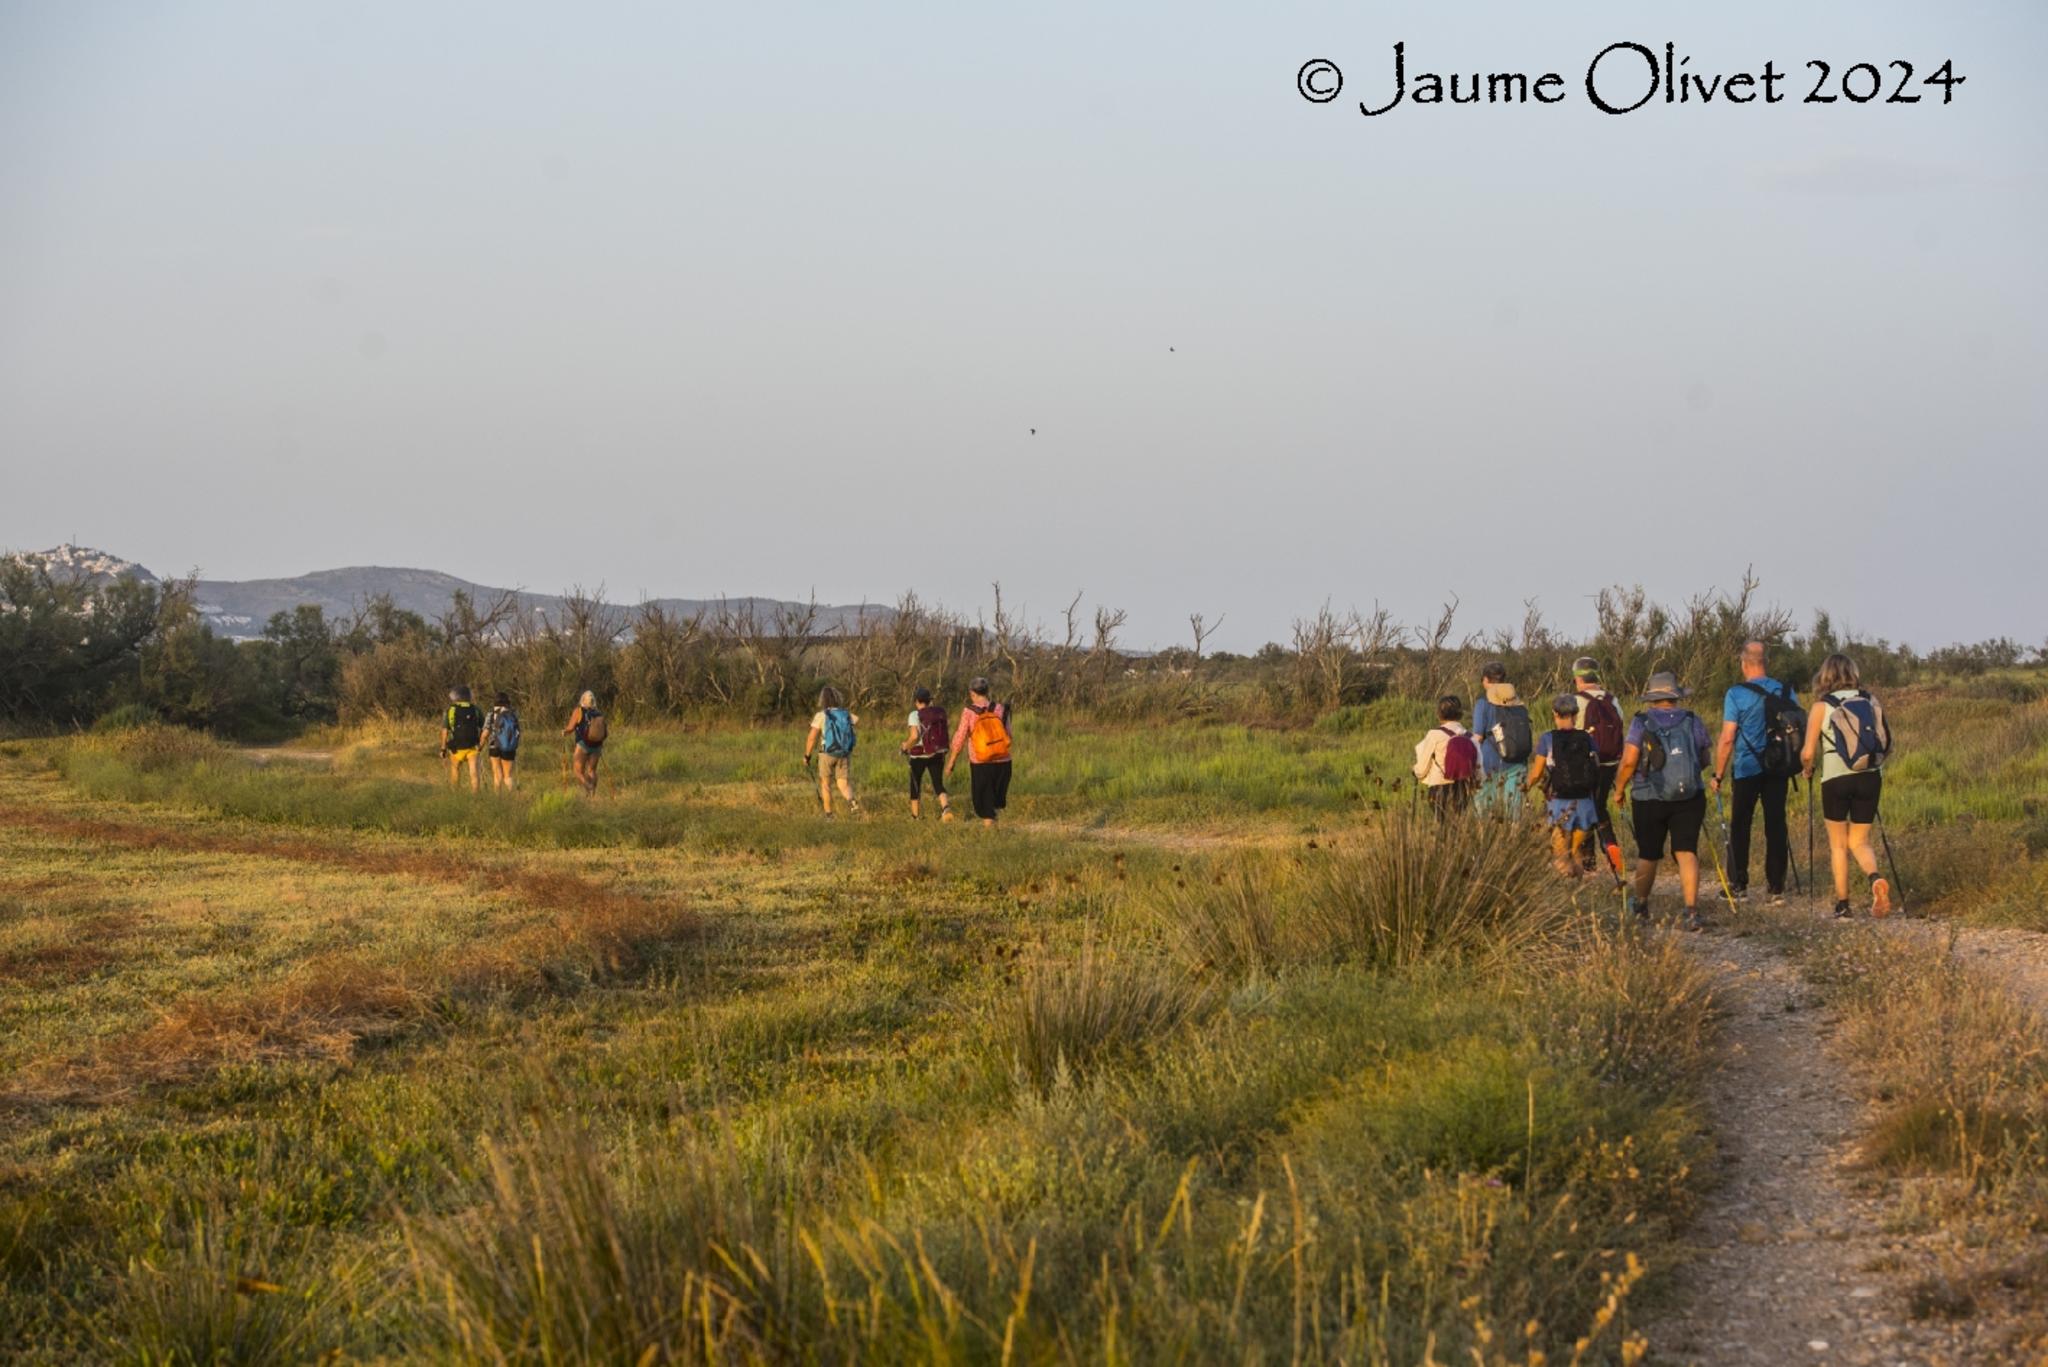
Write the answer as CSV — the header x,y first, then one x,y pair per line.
x,y
1628,1010
226,1288
566,1258
1070,1013
1408,889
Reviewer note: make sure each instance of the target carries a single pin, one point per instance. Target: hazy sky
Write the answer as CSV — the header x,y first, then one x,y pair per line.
x,y
755,298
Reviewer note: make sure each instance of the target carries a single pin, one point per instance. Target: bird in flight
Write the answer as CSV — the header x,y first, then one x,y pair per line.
x,y
1034,431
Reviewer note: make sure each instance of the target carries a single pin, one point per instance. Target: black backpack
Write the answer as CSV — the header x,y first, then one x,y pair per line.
x,y
465,726
1784,733
1511,735
1574,769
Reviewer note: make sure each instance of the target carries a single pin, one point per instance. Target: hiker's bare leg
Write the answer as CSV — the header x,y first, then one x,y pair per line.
x,y
915,814
825,786
1838,855
476,773
1578,850
1644,878
1559,845
846,786
1689,878
1860,850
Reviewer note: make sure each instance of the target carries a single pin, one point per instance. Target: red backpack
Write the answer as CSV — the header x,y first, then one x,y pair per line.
x,y
1602,721
1461,756
931,731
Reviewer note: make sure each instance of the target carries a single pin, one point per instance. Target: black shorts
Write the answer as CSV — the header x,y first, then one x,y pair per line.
x,y
1852,797
991,787
509,756
927,766
1681,821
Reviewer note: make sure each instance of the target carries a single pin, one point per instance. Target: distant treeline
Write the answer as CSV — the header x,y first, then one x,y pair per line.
x,y
71,655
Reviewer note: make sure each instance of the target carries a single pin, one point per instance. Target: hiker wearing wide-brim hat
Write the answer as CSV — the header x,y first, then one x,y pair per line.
x,y
1664,687
1663,770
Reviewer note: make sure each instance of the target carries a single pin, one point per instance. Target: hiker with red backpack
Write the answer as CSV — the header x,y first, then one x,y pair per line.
x,y
1600,719
1762,730
1846,733
1500,725
984,733
926,749
1447,759
1663,773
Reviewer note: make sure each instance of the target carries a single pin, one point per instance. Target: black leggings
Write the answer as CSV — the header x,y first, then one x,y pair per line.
x,y
1770,790
927,766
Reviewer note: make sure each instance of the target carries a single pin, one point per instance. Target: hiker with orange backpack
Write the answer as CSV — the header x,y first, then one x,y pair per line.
x,y
590,728
1848,737
1600,719
1447,759
925,748
984,733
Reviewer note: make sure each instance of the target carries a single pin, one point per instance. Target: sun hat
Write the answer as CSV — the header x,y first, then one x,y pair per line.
x,y
1664,687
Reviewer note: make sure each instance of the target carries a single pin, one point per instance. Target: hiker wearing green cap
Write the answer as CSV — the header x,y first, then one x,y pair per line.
x,y
1500,725
1762,729
1600,719
1847,734
1663,759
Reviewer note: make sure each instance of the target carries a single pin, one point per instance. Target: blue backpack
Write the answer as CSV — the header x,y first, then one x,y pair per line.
x,y
838,732
508,731
1668,769
1858,731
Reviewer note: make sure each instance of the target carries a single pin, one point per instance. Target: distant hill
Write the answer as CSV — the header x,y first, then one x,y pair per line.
x,y
239,607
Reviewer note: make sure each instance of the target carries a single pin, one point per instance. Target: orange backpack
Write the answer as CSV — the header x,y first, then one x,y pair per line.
x,y
988,740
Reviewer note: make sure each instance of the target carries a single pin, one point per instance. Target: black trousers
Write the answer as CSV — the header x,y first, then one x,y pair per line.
x,y
1603,824
1770,792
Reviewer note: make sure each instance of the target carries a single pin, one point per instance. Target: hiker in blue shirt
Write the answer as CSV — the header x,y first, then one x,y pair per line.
x,y
1762,728
1500,725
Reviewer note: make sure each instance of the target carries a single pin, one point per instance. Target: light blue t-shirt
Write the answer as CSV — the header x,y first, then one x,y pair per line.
x,y
1745,707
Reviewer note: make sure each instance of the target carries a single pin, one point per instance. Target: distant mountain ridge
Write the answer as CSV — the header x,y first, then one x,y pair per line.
x,y
238,608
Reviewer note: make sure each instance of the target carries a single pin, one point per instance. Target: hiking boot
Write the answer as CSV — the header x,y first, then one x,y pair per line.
x,y
1693,919
1880,897
1638,908
1777,898
1739,896
1843,911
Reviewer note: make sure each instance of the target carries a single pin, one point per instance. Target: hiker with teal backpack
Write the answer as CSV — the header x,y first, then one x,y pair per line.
x,y
1447,760
1662,775
1848,739
832,737
591,729
1763,729
1500,727
462,733
925,748
501,741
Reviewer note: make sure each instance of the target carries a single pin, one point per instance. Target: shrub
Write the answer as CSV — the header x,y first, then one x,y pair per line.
x,y
1628,1010
1070,1013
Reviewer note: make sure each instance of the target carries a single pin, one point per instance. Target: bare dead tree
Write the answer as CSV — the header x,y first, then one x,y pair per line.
x,y
1199,624
1103,653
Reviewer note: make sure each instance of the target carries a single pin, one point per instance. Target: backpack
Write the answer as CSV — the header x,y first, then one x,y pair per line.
x,y
508,731
1859,732
931,731
594,728
838,739
988,739
1574,768
1461,756
1511,735
1784,733
1601,720
1670,767
465,726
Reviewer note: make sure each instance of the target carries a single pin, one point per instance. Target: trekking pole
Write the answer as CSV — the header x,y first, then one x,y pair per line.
x,y
1798,879
1813,881
1720,868
1727,842
1899,882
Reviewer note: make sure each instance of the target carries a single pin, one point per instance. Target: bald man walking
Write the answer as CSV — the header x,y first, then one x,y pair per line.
x,y
1745,753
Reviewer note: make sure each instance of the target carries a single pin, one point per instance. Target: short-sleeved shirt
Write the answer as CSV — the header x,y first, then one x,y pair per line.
x,y
1745,707
818,722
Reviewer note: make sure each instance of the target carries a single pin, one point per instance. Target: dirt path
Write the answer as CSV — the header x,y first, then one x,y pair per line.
x,y
270,754
2016,960
1794,1263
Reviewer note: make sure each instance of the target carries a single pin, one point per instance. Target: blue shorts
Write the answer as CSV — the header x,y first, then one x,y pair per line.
x,y
1573,813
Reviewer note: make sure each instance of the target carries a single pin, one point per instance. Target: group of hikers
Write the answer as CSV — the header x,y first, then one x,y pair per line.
x,y
983,735
1662,764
